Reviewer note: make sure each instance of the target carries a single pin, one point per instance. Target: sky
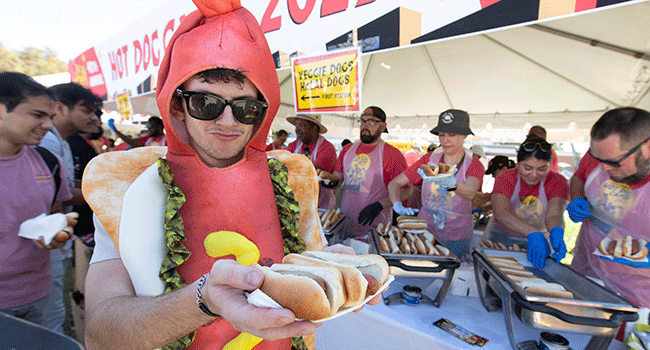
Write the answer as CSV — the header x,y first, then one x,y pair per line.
x,y
68,27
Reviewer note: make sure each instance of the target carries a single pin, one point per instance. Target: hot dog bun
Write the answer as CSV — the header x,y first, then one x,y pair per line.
x,y
546,289
297,288
373,267
325,175
639,251
603,245
430,170
355,285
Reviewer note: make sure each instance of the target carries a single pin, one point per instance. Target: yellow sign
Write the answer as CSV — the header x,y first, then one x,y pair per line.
x,y
328,82
124,105
402,146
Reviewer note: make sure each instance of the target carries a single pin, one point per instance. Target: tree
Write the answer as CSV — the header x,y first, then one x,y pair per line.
x,y
31,61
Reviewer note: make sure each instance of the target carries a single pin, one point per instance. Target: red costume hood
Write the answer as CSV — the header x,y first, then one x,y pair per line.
x,y
221,34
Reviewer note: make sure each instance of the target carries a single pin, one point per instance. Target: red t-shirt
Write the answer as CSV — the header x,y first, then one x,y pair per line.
x,y
154,141
326,157
555,185
475,169
588,164
271,147
394,162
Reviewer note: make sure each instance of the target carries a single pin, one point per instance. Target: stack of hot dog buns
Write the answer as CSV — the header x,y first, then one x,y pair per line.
x,y
324,175
413,223
394,240
67,231
437,169
316,285
329,218
486,243
527,280
627,247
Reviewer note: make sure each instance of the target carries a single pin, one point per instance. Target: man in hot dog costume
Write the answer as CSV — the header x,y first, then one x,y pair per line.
x,y
446,200
611,197
364,168
321,152
217,93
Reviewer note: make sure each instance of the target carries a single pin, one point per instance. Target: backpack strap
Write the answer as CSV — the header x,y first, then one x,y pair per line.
x,y
55,168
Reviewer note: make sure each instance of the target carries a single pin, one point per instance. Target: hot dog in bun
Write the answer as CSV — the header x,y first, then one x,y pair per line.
x,y
627,247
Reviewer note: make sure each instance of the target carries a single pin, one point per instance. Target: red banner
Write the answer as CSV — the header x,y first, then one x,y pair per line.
x,y
86,71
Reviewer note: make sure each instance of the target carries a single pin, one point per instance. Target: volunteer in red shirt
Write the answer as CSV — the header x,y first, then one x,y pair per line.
x,y
446,200
311,143
364,168
279,140
528,201
611,197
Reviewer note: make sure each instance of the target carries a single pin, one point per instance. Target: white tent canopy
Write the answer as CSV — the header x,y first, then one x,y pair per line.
x,y
562,73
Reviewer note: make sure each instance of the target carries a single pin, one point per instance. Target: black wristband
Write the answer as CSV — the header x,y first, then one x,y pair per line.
x,y
199,297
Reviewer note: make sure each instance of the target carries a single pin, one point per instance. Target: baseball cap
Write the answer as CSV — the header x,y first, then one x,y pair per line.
x,y
379,114
497,163
453,121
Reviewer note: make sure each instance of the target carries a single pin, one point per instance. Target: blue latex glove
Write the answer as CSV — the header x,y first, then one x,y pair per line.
x,y
578,209
633,263
422,174
400,209
111,124
557,241
538,249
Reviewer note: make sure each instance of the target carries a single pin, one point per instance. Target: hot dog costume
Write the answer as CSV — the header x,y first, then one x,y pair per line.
x,y
260,197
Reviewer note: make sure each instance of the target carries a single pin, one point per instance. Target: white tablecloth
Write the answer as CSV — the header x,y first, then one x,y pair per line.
x,y
401,326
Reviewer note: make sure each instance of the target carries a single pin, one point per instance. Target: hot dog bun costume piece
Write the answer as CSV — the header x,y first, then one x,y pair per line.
x,y
195,200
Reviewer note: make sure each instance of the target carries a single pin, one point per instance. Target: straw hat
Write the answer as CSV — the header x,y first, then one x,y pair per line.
x,y
314,118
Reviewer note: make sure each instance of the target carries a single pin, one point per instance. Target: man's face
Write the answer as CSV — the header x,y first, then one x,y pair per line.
x,y
306,131
220,142
81,116
154,130
28,122
633,168
368,133
282,139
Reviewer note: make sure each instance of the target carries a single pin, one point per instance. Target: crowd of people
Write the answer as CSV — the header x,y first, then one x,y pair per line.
x,y
208,154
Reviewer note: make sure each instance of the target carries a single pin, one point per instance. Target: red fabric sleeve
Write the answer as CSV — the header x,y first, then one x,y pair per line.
x,y
326,157
556,186
269,147
505,183
555,162
292,146
339,161
412,171
394,163
477,170
586,166
144,138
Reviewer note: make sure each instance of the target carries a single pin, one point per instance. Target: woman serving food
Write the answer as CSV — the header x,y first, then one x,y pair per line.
x,y
527,201
446,194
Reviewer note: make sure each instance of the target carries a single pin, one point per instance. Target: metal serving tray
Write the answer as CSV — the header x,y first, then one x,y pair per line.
x,y
419,265
336,227
594,309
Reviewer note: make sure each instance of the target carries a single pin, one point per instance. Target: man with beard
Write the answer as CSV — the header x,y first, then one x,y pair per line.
x,y
365,168
611,197
321,152
155,134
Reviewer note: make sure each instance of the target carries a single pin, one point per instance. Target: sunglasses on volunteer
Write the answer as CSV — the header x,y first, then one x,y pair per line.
x,y
617,163
530,146
206,106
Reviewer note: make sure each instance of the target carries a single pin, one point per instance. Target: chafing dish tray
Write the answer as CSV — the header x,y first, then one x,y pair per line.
x,y
419,265
335,227
593,310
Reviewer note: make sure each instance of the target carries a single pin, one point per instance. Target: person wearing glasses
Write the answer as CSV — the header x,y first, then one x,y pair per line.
x,y
218,93
610,194
364,169
446,200
310,142
528,204
155,134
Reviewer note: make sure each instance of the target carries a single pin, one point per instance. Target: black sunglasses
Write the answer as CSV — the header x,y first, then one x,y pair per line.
x,y
530,146
617,163
204,106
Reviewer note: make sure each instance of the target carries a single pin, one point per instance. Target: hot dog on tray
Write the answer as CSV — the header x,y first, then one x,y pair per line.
x,y
316,285
627,247
437,169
